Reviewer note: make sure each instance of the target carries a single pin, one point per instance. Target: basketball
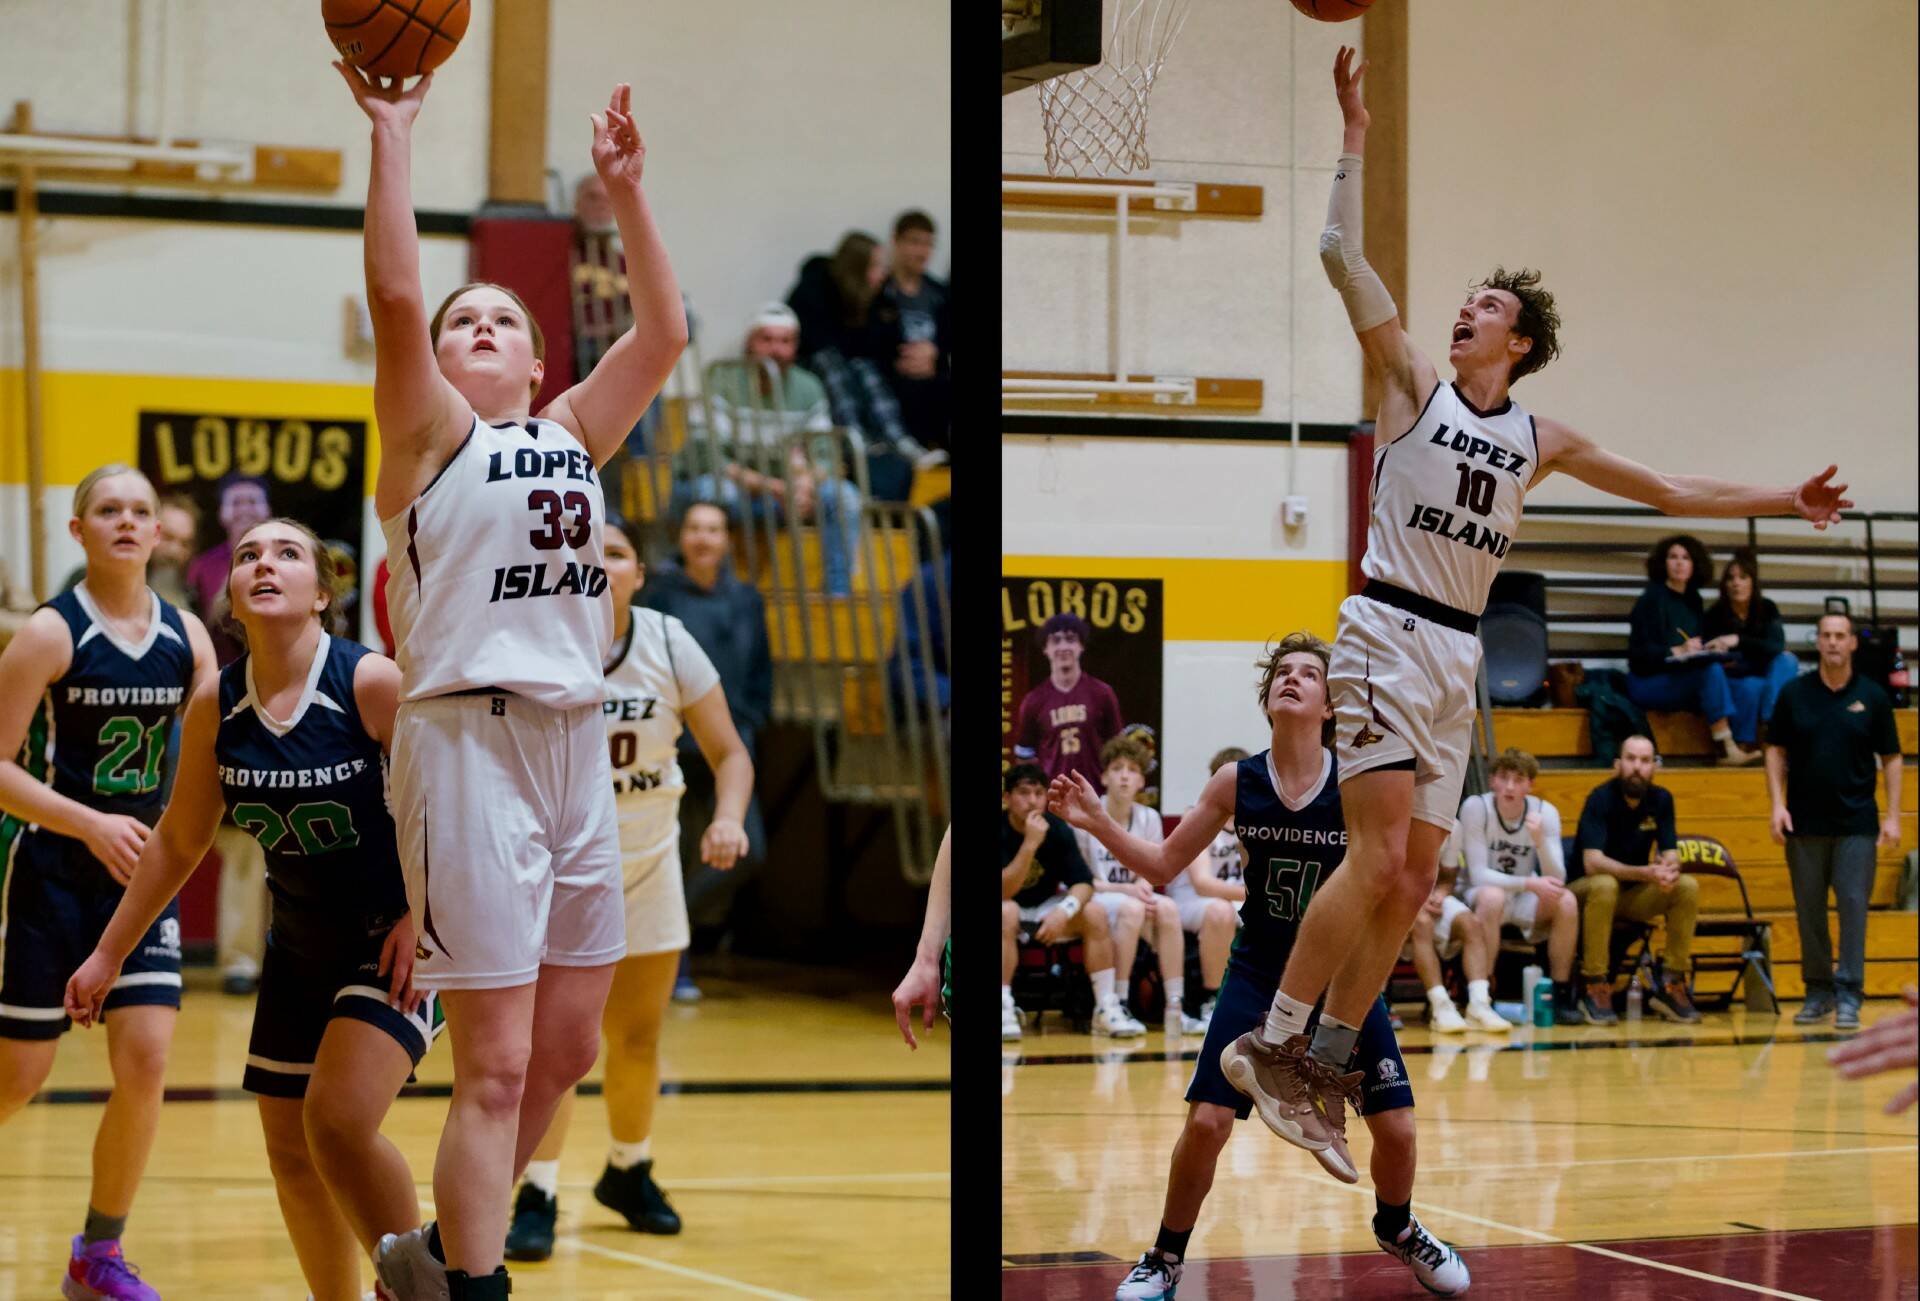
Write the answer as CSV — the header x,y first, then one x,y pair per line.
x,y
1332,11
385,38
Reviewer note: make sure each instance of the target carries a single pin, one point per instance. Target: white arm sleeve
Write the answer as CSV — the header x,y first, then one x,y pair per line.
x,y
1342,254
1553,862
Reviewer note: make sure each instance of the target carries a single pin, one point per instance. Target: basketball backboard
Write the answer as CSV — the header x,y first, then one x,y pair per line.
x,y
1044,38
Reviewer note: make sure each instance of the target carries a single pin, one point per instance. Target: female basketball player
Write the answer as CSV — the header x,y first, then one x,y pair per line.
x,y
89,690
290,738
1284,807
502,796
1451,476
657,678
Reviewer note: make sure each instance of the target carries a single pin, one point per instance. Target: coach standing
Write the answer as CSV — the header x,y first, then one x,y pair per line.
x,y
1829,730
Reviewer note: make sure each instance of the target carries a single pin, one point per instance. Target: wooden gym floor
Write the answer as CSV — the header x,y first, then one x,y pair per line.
x,y
804,1146
1714,1161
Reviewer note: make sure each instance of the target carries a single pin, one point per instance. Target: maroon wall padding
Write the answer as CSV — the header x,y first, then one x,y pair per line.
x,y
1359,503
200,903
532,257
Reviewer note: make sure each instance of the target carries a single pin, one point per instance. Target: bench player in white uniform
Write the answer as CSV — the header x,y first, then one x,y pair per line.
x,y
497,591
1209,895
657,679
1453,469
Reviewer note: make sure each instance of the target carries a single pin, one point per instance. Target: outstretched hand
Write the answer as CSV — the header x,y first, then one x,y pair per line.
x,y
1071,797
1892,1044
1820,501
388,104
1346,85
619,154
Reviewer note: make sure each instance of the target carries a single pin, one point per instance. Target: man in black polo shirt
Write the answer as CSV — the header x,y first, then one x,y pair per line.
x,y
1822,741
1044,883
1621,824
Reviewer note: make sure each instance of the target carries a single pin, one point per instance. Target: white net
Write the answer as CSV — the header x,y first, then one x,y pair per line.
x,y
1096,119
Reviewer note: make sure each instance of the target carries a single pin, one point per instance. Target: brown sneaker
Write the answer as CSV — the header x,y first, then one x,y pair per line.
x,y
1669,999
1281,1081
1335,1092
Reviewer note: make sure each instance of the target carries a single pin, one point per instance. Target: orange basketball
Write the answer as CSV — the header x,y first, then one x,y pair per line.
x,y
1332,11
395,38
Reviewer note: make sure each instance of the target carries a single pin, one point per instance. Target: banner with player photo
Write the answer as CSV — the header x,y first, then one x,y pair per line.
x,y
240,469
1080,663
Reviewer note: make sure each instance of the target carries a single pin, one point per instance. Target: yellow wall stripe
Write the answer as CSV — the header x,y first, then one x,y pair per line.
x,y
1217,600
94,418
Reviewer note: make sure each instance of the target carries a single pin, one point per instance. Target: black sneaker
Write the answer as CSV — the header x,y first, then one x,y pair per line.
x,y
1818,1007
530,1236
1568,1013
633,1194
1596,1002
1847,1014
1669,998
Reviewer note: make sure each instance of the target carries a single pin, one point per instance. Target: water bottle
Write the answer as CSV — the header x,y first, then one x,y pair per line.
x,y
1633,999
1531,976
1543,1003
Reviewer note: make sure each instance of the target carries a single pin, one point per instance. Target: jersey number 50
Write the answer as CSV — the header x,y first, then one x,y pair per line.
x,y
1290,886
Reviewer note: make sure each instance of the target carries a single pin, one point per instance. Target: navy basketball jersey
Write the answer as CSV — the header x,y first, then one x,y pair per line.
x,y
99,735
312,790
1291,848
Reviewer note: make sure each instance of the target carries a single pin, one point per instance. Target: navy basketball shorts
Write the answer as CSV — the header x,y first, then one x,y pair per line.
x,y
56,904
1245,996
301,995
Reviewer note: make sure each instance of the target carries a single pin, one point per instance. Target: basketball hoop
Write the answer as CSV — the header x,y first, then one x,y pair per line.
x,y
1096,119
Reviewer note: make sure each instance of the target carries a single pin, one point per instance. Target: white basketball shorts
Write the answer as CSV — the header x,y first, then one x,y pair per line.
x,y
650,871
504,813
1403,688
1445,942
1522,909
1193,911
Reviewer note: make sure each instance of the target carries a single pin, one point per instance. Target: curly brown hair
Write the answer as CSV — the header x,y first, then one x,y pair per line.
x,y
1269,666
1132,750
1696,551
1515,760
1538,320
1232,754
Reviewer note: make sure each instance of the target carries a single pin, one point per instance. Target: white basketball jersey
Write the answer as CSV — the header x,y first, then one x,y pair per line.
x,y
495,576
1142,822
650,682
1447,498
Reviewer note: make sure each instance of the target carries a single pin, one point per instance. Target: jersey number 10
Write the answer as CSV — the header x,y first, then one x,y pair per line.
x,y
1290,886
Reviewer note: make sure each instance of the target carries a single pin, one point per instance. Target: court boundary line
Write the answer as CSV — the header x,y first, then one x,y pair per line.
x,y
1909,1148
682,1088
684,1271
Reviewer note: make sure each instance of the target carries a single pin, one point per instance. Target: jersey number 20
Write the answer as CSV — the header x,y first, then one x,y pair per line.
x,y
1290,886
318,828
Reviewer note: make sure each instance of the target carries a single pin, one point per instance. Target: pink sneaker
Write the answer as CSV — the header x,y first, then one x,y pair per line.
x,y
98,1272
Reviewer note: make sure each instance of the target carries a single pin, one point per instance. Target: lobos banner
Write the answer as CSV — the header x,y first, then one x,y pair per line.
x,y
1080,663
255,467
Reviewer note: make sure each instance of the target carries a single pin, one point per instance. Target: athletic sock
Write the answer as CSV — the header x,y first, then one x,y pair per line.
x,y
1172,1243
1285,1019
1176,991
1333,1042
625,1156
1477,992
1006,995
544,1175
1438,995
1390,1221
1563,992
434,1248
1103,987
102,1228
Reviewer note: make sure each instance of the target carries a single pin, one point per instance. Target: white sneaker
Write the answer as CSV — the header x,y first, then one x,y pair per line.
x,y
1206,1015
1437,1265
1153,1279
1481,1016
1179,1024
1009,1021
1446,1018
1115,1020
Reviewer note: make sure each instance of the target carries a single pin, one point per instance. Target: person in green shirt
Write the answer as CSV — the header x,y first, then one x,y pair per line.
x,y
1664,647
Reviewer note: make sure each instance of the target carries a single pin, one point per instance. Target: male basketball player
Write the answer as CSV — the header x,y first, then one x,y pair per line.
x,y
1453,469
1284,807
1066,720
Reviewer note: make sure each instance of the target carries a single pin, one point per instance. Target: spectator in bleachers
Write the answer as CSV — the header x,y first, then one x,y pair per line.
x,y
1832,729
1663,645
752,414
1516,876
1446,928
1065,721
1133,907
243,504
1044,883
728,620
834,300
1615,875
1748,625
913,334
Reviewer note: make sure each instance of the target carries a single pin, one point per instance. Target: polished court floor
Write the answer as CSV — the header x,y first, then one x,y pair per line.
x,y
1654,1161
796,1131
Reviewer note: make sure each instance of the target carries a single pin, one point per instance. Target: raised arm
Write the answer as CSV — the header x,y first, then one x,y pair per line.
x,y
1407,375
1072,797
422,417
603,407
1565,449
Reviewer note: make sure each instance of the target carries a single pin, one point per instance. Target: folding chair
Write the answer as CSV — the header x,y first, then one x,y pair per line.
x,y
1053,978
1753,965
